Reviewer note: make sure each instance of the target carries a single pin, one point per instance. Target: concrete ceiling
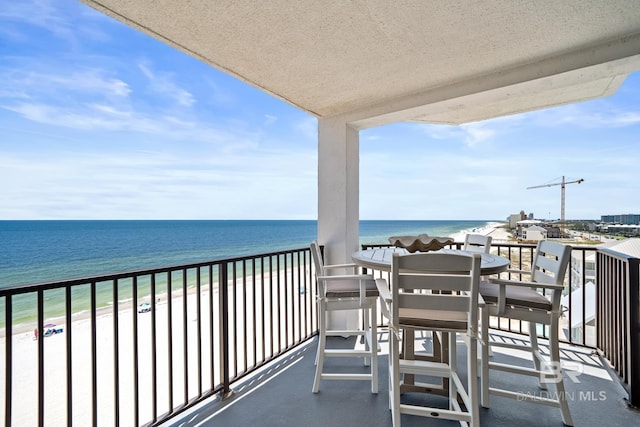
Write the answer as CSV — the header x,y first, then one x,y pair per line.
x,y
377,62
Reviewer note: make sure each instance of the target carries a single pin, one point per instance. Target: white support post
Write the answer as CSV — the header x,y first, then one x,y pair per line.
x,y
338,200
338,189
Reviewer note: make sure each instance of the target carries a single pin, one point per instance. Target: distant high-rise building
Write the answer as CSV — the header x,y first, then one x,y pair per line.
x,y
514,218
621,219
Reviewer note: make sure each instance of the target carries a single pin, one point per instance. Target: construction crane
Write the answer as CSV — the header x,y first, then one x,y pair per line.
x,y
561,184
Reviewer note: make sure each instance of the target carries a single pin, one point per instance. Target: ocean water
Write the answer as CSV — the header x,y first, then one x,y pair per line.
x,y
43,251
39,251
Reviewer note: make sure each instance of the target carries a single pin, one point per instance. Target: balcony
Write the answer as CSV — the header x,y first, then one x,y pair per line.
x,y
281,396
197,353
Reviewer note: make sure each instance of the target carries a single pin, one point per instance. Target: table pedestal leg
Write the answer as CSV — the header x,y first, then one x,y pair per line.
x,y
440,353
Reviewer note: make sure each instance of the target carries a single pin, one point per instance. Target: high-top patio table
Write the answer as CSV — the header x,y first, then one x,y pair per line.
x,y
380,259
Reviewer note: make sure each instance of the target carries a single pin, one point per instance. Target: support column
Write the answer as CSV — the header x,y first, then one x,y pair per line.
x,y
338,202
338,189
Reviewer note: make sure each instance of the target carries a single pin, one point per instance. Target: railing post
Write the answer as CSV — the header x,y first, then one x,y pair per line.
x,y
224,328
40,294
8,358
634,331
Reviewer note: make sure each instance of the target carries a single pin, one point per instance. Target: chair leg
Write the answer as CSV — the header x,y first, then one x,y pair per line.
x,y
371,345
320,329
366,320
390,374
487,323
394,365
374,348
554,350
453,390
484,376
535,351
322,339
472,381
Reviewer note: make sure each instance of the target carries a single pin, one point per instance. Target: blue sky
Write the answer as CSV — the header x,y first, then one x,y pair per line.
x,y
99,121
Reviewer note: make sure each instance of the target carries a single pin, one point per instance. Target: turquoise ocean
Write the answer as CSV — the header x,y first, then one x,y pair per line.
x,y
44,251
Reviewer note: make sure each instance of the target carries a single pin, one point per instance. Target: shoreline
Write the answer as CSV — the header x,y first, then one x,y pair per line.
x,y
190,325
124,305
496,230
25,317
25,361
25,351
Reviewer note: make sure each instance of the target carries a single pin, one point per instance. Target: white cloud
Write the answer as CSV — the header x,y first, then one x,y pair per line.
x,y
625,118
176,184
477,133
308,127
587,115
162,84
472,134
53,16
59,84
439,132
41,13
270,119
101,118
215,93
109,110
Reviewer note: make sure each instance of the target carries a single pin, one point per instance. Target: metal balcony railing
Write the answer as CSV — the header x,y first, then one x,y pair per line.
x,y
618,317
118,362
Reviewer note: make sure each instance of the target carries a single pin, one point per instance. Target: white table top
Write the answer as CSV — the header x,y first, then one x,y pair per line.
x,y
380,259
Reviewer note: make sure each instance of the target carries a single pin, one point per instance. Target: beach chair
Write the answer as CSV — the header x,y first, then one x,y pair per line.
x,y
520,300
349,291
437,292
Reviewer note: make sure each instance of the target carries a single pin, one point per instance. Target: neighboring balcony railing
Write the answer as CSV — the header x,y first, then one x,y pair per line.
x,y
139,347
618,317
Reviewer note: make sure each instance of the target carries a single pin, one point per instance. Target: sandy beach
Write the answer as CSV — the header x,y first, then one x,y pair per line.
x,y
25,368
497,231
25,354
25,351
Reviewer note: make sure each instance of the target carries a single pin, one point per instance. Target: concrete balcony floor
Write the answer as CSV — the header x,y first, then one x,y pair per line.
x,y
280,394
